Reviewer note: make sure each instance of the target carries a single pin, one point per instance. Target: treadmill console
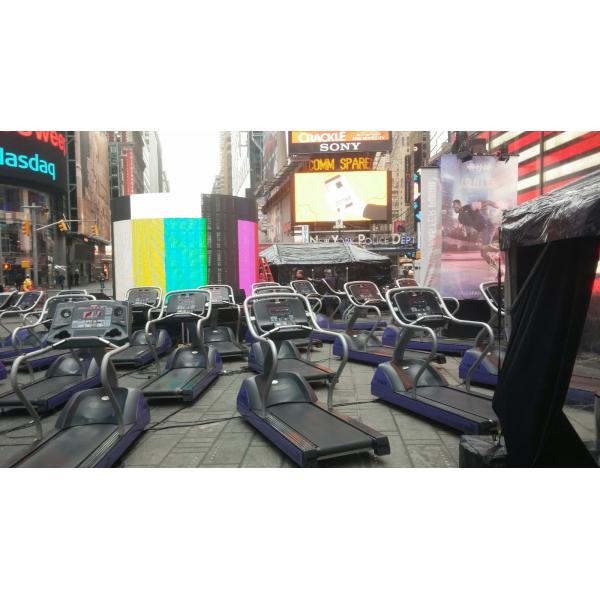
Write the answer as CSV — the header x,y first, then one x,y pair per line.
x,y
28,299
281,312
406,282
301,286
364,291
52,303
420,306
187,302
281,289
143,296
219,293
108,319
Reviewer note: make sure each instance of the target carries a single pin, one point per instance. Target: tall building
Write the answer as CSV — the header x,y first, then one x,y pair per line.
x,y
152,154
240,163
126,158
222,183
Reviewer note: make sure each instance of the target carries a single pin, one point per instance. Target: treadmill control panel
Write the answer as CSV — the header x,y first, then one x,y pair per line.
x,y
108,319
219,293
364,291
143,296
406,282
418,306
301,286
28,299
281,289
281,312
193,301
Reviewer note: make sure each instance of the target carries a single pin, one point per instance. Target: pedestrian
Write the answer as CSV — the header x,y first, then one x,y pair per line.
x,y
76,276
299,275
102,280
27,284
60,280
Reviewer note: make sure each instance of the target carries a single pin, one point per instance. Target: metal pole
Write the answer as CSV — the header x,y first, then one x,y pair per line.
x,y
1,258
34,245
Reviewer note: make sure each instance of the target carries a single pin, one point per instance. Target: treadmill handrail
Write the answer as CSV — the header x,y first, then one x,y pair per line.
x,y
27,357
484,288
151,324
483,327
22,312
265,336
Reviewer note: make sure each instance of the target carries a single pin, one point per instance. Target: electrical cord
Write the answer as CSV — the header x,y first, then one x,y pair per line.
x,y
192,424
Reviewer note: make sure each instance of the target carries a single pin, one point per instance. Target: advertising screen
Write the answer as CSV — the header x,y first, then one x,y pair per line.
x,y
316,142
38,158
330,197
474,194
247,254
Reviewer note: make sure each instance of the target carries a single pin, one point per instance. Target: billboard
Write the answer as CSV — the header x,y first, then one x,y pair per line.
x,y
316,142
346,196
37,158
159,240
474,194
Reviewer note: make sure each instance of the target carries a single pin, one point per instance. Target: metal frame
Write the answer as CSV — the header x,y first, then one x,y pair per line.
x,y
265,336
419,325
104,378
231,302
151,324
14,310
260,284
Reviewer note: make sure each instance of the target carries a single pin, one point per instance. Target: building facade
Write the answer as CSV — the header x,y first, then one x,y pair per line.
x,y
126,159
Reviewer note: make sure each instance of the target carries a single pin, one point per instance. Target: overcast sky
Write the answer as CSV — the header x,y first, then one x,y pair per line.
x,y
191,160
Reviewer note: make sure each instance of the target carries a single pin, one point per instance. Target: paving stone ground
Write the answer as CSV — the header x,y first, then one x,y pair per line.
x,y
210,433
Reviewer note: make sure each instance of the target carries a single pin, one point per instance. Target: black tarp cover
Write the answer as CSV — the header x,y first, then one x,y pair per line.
x,y
337,253
572,211
553,245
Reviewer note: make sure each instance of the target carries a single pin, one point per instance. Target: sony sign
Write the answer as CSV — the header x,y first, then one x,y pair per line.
x,y
317,142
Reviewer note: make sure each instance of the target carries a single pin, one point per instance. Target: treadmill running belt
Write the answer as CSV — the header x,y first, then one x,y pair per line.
x,y
324,430
70,447
41,391
224,348
174,380
457,399
309,372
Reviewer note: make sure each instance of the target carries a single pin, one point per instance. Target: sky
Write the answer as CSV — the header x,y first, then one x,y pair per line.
x,y
190,160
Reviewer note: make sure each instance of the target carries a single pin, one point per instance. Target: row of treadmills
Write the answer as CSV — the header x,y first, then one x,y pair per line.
x,y
83,340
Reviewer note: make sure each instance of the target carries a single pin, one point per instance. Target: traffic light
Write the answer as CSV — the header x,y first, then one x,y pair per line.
x,y
26,227
94,229
417,209
62,225
6,267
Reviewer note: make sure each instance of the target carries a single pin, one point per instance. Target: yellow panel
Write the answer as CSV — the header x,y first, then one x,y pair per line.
x,y
148,252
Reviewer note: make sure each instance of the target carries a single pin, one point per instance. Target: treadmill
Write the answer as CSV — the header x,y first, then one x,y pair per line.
x,y
27,332
415,385
583,389
365,346
142,300
225,311
288,356
71,369
7,299
281,404
97,425
265,288
452,304
26,304
190,367
262,284
327,319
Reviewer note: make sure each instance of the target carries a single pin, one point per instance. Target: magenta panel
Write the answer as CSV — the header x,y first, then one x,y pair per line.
x,y
247,254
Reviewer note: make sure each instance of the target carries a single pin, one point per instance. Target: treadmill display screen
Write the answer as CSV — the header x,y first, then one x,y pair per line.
x,y
407,282
418,304
281,314
144,297
219,294
185,304
91,317
364,291
303,287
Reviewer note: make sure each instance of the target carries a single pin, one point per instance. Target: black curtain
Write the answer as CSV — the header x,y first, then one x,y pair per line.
x,y
547,324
